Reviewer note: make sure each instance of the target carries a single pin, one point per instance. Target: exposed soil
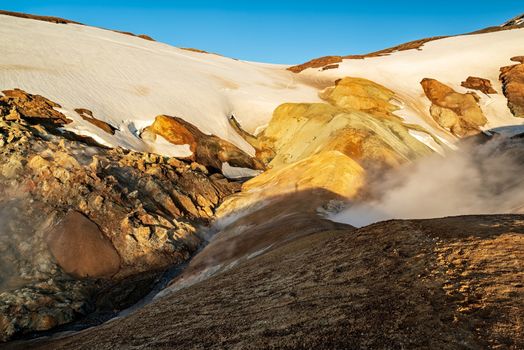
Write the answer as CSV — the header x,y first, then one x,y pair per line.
x,y
452,283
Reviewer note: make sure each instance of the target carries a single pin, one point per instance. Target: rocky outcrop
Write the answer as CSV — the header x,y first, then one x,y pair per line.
x,y
453,111
34,108
357,121
480,84
452,283
515,21
332,147
87,115
512,78
208,150
97,217
316,63
327,61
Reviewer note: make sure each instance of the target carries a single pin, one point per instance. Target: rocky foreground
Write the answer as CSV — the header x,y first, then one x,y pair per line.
x,y
452,283
85,228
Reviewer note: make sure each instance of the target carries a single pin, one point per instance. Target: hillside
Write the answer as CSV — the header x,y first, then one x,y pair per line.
x,y
201,201
451,283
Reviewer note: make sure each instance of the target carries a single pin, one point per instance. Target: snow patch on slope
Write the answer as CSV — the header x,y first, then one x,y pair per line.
x,y
121,78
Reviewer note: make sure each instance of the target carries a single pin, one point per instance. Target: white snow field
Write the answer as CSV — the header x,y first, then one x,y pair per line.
x,y
127,81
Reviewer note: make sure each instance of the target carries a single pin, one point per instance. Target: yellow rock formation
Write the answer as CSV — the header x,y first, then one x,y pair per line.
x,y
331,172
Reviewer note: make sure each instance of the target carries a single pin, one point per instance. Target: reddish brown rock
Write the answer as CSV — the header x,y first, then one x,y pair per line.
x,y
480,84
459,113
411,45
34,107
316,63
331,66
81,249
208,150
87,115
512,78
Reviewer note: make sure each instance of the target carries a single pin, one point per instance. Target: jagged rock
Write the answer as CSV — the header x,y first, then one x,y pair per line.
x,y
81,249
87,115
34,107
208,150
480,84
459,113
512,78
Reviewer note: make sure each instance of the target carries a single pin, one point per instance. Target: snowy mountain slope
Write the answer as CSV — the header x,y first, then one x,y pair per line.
x,y
449,60
127,81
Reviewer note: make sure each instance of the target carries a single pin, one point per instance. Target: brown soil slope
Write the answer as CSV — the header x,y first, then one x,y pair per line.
x,y
452,283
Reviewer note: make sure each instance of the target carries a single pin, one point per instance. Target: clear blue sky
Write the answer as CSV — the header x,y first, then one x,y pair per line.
x,y
280,31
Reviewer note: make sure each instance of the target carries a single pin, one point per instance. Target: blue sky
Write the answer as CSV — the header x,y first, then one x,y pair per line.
x,y
280,31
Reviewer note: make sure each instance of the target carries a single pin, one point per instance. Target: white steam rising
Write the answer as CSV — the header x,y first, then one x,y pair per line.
x,y
477,179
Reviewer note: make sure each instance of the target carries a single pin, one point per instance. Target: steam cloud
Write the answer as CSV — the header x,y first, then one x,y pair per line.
x,y
477,179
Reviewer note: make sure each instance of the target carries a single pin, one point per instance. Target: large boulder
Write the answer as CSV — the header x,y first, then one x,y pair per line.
x,y
81,249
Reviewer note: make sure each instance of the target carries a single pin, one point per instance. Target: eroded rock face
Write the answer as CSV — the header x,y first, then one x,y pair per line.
x,y
102,215
208,150
81,249
512,78
456,112
481,84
